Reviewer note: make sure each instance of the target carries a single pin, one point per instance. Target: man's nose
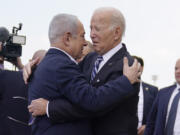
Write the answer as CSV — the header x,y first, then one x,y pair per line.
x,y
92,33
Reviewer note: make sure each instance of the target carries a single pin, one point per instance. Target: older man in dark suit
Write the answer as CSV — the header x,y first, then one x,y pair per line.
x,y
165,114
59,76
107,28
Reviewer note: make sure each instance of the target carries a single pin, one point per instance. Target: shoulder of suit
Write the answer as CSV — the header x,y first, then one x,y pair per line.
x,y
168,87
130,58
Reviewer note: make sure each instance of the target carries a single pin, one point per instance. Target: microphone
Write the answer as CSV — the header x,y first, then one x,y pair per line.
x,y
4,34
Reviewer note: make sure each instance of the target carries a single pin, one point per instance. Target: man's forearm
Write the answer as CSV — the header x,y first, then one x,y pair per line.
x,y
61,110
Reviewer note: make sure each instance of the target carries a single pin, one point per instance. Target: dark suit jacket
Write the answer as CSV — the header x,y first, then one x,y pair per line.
x,y
157,118
149,93
13,104
59,77
119,118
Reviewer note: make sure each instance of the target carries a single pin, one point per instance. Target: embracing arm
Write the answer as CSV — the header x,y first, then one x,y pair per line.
x,y
77,90
61,110
95,100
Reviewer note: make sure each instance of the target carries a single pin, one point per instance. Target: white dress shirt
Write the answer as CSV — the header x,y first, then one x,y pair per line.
x,y
177,121
140,106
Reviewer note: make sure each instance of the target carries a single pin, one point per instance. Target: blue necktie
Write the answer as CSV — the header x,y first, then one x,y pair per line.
x,y
96,66
172,115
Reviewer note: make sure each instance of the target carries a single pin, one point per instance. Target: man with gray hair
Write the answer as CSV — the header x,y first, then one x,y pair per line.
x,y
107,28
59,77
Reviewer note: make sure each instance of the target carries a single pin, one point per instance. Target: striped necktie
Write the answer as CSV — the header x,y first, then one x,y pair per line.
x,y
172,115
96,66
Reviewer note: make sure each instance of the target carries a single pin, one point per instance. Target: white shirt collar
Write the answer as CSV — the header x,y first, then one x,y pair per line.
x,y
111,52
177,86
66,54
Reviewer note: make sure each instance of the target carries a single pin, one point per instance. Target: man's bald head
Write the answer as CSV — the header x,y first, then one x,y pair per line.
x,y
39,54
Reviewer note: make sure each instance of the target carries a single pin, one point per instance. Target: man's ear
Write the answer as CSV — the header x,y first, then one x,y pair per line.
x,y
67,38
117,33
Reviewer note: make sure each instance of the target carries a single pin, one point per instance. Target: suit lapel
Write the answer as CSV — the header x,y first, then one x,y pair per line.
x,y
146,99
116,59
166,99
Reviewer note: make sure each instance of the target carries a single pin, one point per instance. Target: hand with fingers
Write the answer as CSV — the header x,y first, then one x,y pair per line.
x,y
38,107
131,72
141,130
27,70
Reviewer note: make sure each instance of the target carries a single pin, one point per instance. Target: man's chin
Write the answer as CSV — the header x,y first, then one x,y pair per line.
x,y
96,49
178,80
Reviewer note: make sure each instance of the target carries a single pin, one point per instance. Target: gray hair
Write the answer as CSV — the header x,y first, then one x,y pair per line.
x,y
61,24
117,18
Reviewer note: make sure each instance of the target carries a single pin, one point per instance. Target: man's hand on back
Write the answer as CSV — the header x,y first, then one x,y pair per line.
x,y
131,72
38,107
27,70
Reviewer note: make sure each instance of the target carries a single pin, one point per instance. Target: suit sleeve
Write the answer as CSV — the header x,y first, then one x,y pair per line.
x,y
77,90
151,121
61,110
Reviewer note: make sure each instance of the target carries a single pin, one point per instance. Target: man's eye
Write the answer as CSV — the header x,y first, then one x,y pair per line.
x,y
97,28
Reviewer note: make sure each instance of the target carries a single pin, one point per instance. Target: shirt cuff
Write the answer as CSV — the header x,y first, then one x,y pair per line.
x,y
47,112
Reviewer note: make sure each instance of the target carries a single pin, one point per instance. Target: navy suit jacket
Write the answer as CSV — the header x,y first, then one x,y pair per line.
x,y
14,114
119,118
157,118
149,93
59,77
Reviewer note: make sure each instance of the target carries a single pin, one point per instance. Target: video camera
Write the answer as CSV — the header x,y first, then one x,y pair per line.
x,y
11,43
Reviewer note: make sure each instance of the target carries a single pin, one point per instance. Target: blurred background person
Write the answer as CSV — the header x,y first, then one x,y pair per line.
x,y
86,49
147,95
14,114
164,118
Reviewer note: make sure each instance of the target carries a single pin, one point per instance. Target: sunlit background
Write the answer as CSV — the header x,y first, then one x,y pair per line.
x,y
152,31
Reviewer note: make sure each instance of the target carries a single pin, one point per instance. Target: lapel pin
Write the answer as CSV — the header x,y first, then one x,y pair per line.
x,y
98,80
110,64
147,88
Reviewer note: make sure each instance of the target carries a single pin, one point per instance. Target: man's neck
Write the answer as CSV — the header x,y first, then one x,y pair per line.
x,y
66,52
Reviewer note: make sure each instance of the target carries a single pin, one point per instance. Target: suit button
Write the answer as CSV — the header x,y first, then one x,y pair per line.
x,y
98,80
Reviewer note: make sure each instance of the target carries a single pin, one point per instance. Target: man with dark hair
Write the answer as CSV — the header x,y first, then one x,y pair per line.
x,y
147,96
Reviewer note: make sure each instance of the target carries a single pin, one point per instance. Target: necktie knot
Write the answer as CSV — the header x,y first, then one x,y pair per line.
x,y
99,58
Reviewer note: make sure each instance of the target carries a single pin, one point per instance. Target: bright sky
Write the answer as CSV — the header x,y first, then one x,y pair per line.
x,y
152,28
